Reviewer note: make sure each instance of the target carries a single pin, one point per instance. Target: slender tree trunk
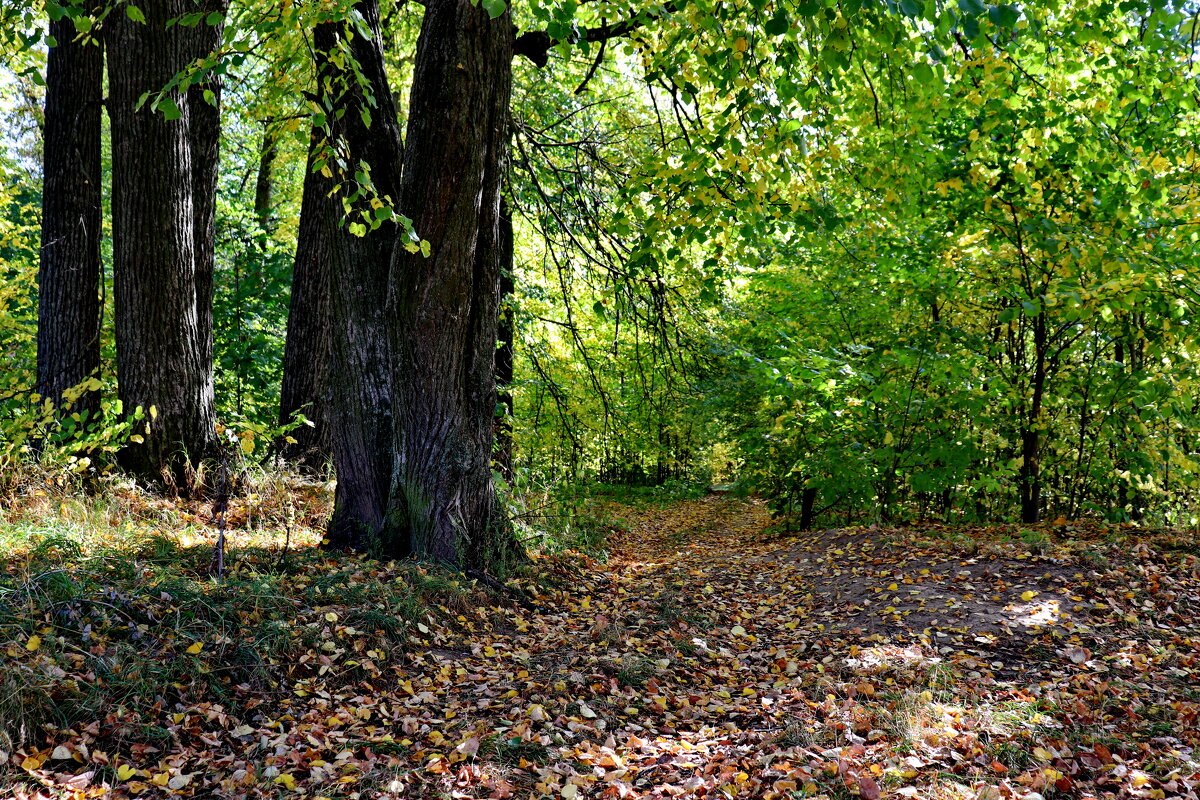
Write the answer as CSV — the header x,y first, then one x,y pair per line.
x,y
264,182
504,350
163,348
359,374
443,308
69,313
1031,444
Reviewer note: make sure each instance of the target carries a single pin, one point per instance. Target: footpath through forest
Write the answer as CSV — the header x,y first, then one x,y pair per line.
x,y
710,657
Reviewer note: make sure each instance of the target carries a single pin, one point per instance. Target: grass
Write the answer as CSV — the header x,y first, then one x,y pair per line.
x,y
111,604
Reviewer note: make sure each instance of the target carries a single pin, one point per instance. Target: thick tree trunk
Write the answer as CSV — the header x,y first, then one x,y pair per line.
x,y
163,355
359,374
204,135
69,313
320,252
443,308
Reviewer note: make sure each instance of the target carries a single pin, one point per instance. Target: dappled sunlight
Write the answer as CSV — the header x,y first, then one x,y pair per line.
x,y
1038,615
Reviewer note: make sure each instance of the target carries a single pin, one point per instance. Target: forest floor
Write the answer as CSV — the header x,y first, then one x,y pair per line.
x,y
706,657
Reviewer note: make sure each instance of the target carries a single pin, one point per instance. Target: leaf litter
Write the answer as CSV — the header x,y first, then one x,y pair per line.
x,y
706,657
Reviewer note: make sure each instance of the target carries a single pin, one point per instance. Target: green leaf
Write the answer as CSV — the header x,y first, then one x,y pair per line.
x,y
135,14
778,24
973,7
169,108
1005,16
494,8
910,8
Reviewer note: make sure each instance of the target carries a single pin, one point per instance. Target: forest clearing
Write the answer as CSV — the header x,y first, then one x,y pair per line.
x,y
599,399
708,655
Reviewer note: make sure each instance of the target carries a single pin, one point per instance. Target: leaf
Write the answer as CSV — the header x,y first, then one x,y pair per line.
x,y
1028,595
196,648
169,108
125,772
1004,15
494,8
135,14
778,24
62,753
34,643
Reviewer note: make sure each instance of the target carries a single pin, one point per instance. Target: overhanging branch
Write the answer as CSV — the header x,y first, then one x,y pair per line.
x,y
535,45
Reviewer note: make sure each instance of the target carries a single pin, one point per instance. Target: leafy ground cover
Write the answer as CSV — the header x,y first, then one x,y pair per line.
x,y
705,656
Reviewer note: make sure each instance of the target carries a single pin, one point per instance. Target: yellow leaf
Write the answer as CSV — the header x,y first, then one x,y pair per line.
x,y
286,779
125,772
1027,596
34,643
247,444
331,617
196,648
161,779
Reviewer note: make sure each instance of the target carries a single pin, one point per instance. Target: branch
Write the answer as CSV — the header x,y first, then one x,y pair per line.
x,y
535,45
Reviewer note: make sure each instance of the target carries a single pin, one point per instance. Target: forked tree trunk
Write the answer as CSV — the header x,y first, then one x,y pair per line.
x,y
443,308
163,359
69,313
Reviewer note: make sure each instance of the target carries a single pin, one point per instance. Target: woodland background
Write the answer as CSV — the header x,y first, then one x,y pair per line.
x,y
681,281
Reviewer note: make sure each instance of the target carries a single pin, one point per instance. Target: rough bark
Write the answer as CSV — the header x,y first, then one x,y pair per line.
x,y
163,356
204,135
443,308
359,375
320,252
69,312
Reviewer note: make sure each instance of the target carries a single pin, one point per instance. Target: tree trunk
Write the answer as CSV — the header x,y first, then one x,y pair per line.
x,y
204,135
504,349
359,375
1031,443
163,347
69,312
264,182
443,308
320,252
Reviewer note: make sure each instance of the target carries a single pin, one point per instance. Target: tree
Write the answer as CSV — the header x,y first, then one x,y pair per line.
x,y
164,157
443,304
319,253
69,312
